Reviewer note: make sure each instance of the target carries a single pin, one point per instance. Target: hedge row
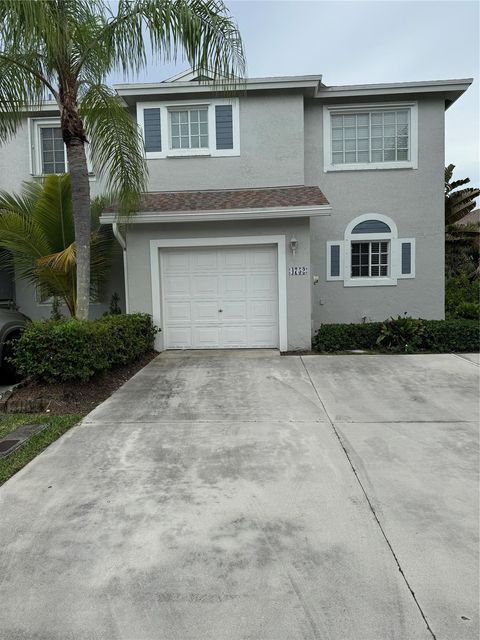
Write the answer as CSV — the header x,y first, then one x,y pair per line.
x,y
437,336
61,350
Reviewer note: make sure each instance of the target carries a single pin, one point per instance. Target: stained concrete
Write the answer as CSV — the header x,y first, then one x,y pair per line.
x,y
210,498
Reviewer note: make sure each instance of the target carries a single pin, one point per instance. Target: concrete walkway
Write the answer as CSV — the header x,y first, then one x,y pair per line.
x,y
248,496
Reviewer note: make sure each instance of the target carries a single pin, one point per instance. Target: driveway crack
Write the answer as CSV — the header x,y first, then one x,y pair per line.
x,y
370,505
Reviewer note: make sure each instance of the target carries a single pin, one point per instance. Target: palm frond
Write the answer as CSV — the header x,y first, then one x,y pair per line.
x,y
53,211
116,145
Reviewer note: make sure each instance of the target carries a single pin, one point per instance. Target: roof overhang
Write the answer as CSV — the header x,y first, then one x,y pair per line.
x,y
451,89
264,213
308,85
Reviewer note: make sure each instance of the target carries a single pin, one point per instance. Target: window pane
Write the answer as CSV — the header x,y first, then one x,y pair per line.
x,y
402,154
402,116
362,145
389,143
337,158
377,143
402,143
389,117
363,156
337,121
175,117
204,141
349,121
389,156
337,134
183,117
350,157
384,271
389,130
376,118
362,119
337,145
350,145
375,271
350,132
175,143
377,156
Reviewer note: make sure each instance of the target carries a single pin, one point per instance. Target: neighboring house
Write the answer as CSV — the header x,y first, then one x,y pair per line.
x,y
291,205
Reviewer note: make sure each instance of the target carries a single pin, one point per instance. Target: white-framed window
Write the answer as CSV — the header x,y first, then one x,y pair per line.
x,y
371,254
379,136
190,128
370,259
48,153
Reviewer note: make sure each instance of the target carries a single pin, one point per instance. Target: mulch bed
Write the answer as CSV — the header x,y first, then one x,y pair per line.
x,y
73,397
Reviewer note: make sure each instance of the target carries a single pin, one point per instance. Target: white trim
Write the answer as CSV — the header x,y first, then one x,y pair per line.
x,y
329,110
144,217
211,151
122,242
399,242
331,243
279,240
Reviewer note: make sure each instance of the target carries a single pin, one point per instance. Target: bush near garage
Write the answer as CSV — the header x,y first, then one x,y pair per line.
x,y
435,336
65,350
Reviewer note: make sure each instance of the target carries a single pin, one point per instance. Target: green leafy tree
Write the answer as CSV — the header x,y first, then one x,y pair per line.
x,y
461,240
68,48
37,228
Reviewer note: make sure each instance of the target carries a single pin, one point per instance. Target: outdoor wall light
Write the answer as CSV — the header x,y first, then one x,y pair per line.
x,y
293,245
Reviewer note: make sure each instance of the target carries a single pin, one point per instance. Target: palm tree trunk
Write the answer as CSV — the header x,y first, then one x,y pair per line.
x,y
77,163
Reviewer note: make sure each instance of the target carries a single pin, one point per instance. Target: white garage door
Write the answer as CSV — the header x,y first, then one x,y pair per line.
x,y
220,298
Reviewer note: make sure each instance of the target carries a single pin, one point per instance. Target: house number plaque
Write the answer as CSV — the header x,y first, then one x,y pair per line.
x,y
297,271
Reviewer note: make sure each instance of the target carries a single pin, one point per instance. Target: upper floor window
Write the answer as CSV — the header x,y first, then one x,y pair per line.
x,y
370,137
53,153
48,151
190,128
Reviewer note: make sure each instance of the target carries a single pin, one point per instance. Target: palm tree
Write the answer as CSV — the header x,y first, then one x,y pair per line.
x,y
458,202
67,48
37,228
461,240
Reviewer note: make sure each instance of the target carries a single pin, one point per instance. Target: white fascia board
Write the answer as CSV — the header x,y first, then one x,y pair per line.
x,y
435,86
254,84
221,215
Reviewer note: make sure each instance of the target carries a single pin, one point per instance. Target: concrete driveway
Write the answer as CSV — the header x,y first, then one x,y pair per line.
x,y
248,496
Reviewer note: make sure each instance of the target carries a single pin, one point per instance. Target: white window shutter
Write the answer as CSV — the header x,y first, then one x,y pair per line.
x,y
335,260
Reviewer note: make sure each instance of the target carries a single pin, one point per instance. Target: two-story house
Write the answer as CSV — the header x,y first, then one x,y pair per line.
x,y
289,205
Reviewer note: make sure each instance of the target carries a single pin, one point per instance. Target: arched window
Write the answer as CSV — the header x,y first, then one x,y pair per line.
x,y
371,253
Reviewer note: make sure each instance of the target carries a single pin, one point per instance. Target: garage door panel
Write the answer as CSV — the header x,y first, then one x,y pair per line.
x,y
265,310
264,335
205,286
206,311
234,310
177,286
220,297
178,312
233,259
180,338
262,258
234,286
205,337
262,285
176,261
204,259
235,336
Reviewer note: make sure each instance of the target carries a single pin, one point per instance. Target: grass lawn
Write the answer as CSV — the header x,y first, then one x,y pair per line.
x,y
57,425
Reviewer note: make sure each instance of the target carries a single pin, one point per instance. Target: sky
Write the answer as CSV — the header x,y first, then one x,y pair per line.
x,y
362,42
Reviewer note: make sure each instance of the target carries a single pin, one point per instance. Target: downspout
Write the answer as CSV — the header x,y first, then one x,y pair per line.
x,y
123,244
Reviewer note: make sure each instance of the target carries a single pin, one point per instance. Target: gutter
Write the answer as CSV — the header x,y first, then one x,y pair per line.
x,y
123,244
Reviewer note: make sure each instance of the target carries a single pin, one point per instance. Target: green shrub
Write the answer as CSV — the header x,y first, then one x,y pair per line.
x,y
345,337
459,290
468,310
402,334
440,336
57,351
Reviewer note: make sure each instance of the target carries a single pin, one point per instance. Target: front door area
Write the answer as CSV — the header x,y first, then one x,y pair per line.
x,y
220,297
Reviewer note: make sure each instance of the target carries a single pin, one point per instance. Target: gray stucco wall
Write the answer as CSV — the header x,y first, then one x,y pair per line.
x,y
271,152
298,287
413,198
